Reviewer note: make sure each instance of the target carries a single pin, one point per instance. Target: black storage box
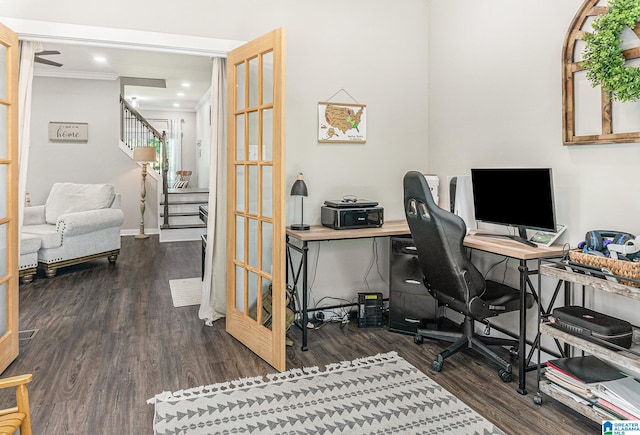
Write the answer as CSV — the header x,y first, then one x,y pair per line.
x,y
370,310
590,324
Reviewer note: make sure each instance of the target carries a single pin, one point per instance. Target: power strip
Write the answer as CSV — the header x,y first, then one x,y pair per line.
x,y
331,316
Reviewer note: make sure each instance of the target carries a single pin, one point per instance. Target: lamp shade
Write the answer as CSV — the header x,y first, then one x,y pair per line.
x,y
299,188
144,154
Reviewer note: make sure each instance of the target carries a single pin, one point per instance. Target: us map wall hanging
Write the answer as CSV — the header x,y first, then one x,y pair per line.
x,y
342,122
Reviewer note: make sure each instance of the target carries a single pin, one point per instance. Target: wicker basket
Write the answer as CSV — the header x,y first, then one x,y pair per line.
x,y
620,268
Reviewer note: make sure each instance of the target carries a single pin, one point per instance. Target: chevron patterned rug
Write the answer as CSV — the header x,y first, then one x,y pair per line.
x,y
374,395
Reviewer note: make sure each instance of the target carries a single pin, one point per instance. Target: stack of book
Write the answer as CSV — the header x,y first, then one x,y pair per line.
x,y
594,383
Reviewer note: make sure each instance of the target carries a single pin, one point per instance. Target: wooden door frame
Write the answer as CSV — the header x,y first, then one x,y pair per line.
x,y
9,347
269,344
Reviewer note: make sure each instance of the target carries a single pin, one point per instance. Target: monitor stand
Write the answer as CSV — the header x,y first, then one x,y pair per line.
x,y
521,238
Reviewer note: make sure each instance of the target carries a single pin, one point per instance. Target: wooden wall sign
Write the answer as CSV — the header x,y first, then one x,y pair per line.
x,y
573,83
69,132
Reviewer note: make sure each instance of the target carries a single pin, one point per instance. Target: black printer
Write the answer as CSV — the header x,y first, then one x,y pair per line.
x,y
350,213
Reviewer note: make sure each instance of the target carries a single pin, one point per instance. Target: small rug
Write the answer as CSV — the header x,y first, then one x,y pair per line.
x,y
374,395
186,291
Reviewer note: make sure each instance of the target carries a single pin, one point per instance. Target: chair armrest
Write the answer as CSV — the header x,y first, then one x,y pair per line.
x,y
34,215
15,381
73,224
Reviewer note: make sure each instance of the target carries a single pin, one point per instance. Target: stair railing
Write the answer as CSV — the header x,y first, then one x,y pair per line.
x,y
136,131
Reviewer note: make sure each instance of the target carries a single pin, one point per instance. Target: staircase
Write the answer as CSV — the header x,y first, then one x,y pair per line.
x,y
180,214
178,209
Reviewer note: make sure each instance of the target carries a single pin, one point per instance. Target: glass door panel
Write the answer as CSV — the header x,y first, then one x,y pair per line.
x,y
253,243
267,134
3,128
240,139
254,90
240,286
3,193
253,189
267,78
240,187
239,87
3,67
267,191
240,239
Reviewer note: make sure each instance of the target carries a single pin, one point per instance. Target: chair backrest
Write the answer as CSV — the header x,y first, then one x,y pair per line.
x,y
182,179
439,235
19,416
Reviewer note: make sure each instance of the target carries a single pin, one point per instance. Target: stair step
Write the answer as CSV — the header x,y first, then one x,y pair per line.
x,y
175,227
187,191
184,202
186,213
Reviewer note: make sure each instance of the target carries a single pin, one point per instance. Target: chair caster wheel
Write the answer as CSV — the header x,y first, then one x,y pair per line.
x,y
418,339
537,399
436,366
513,353
505,375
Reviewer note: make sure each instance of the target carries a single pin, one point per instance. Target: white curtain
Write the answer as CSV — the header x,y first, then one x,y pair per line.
x,y
25,82
174,148
213,303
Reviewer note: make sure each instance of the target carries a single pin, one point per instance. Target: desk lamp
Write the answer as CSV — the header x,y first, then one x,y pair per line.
x,y
299,188
143,155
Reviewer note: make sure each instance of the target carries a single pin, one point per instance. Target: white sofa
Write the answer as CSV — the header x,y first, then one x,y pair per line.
x,y
78,223
29,247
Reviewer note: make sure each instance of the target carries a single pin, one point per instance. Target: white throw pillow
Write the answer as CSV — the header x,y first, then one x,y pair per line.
x,y
71,198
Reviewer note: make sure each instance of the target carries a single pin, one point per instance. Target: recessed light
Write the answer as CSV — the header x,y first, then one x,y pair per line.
x,y
180,94
176,105
100,59
186,85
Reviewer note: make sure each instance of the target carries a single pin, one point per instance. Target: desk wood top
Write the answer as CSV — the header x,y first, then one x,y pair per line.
x,y
319,232
511,248
507,247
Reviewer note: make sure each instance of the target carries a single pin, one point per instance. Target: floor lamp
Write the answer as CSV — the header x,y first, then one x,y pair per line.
x,y
143,155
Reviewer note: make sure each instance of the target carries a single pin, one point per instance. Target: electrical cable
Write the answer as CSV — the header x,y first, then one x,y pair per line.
x,y
494,265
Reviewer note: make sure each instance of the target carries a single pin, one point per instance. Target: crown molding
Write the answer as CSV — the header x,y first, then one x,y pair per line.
x,y
48,31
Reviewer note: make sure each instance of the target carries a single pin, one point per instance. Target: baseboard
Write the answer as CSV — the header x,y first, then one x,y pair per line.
x,y
150,231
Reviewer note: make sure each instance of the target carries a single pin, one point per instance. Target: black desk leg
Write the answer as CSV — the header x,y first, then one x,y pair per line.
x,y
522,345
305,250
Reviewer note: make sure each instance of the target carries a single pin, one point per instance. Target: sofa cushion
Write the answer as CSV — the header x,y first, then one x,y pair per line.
x,y
70,198
45,232
29,244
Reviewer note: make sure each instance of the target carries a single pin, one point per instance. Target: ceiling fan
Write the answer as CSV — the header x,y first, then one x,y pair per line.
x,y
39,59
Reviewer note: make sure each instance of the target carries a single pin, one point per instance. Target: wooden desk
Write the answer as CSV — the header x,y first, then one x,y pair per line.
x,y
500,246
523,253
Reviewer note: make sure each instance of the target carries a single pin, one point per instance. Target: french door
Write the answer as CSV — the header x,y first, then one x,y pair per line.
x,y
8,196
256,197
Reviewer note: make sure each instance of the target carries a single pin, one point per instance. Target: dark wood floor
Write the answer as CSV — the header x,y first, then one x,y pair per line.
x,y
108,338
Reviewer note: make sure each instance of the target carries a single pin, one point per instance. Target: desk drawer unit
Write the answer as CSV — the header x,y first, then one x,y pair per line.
x,y
410,305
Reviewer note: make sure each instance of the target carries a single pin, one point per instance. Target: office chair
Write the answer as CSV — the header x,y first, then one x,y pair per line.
x,y
18,417
452,279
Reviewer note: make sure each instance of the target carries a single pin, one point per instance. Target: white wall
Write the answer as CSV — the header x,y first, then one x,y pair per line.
x,y
495,99
203,141
376,50
97,161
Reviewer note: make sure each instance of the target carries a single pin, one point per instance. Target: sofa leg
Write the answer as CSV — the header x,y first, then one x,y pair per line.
x,y
112,258
50,273
26,279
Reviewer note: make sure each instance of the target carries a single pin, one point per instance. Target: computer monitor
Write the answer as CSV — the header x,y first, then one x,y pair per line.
x,y
516,197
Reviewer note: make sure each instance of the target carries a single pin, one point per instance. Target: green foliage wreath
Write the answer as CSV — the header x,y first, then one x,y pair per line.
x,y
604,61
